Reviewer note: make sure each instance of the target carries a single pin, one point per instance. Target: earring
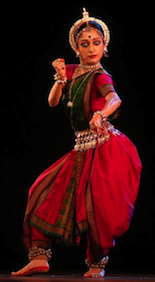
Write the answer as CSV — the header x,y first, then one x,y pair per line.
x,y
105,52
77,54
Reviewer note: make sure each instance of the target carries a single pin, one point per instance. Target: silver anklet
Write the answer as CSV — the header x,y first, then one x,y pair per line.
x,y
101,264
35,252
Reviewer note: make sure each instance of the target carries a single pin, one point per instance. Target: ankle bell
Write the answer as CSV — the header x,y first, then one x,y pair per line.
x,y
101,264
35,252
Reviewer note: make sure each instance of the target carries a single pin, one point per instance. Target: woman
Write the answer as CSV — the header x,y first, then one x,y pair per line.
x,y
92,188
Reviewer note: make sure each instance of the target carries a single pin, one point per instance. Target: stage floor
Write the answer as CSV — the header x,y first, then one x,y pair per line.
x,y
77,278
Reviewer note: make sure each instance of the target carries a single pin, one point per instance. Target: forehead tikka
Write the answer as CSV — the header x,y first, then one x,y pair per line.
x,y
89,35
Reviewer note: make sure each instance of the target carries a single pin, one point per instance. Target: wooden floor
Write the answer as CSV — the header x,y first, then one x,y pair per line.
x,y
77,278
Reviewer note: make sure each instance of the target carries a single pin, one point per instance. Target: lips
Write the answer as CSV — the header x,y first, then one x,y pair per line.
x,y
92,56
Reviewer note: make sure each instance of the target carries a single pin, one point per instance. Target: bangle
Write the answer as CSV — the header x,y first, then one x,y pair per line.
x,y
56,77
101,114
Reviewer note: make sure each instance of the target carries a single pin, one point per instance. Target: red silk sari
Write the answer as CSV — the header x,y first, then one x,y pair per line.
x,y
92,190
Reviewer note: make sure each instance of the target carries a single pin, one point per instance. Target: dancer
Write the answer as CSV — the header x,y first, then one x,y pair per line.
x,y
93,188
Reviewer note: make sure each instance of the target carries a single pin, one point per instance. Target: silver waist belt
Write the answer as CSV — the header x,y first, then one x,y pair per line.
x,y
89,139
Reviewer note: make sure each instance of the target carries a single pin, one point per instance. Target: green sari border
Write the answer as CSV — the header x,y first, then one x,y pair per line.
x,y
54,231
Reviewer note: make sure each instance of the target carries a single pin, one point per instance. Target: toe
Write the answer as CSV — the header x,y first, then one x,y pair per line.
x,y
13,273
87,274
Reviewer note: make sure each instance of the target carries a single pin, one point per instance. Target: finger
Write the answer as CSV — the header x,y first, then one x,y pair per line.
x,y
98,124
56,65
60,69
63,66
91,124
59,64
58,61
62,60
99,127
99,131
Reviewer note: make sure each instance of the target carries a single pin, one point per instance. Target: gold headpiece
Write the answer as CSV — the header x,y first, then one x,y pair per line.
x,y
85,19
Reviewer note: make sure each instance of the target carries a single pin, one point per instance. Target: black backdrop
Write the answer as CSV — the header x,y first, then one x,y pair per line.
x,y
34,136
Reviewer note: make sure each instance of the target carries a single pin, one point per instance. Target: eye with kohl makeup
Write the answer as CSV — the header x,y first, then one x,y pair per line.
x,y
87,43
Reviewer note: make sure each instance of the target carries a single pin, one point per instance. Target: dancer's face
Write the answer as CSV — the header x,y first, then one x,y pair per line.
x,y
91,47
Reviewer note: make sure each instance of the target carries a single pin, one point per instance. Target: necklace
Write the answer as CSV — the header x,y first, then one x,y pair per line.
x,y
89,68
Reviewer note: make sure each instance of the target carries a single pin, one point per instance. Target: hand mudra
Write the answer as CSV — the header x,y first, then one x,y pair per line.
x,y
60,67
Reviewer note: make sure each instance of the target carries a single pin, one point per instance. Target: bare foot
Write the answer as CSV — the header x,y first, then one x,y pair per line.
x,y
95,272
37,265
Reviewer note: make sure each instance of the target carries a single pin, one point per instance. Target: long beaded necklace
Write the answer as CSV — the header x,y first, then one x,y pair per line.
x,y
90,69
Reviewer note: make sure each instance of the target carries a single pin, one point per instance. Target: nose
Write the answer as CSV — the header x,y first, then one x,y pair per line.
x,y
91,47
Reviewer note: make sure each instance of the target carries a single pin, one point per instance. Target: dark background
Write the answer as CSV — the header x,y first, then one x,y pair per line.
x,y
34,136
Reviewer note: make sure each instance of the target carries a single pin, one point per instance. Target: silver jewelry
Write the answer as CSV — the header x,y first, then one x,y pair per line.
x,y
35,252
101,264
101,114
56,77
70,104
88,139
78,35
89,67
62,81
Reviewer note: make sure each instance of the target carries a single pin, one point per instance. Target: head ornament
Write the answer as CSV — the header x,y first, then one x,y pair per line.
x,y
86,19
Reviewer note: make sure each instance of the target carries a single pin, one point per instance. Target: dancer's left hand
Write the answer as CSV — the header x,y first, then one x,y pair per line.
x,y
96,124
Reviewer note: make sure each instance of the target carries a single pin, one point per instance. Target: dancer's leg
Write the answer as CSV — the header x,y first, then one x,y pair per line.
x,y
96,261
39,254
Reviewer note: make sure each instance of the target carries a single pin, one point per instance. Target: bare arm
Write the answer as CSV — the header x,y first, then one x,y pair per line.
x,y
113,102
57,89
55,94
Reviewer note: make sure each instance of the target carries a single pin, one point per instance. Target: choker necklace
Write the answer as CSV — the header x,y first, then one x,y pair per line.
x,y
89,67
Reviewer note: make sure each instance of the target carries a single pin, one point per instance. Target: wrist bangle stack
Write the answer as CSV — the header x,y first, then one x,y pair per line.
x,y
60,81
101,114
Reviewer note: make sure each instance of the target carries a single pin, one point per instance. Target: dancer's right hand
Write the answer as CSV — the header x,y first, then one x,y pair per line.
x,y
60,67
